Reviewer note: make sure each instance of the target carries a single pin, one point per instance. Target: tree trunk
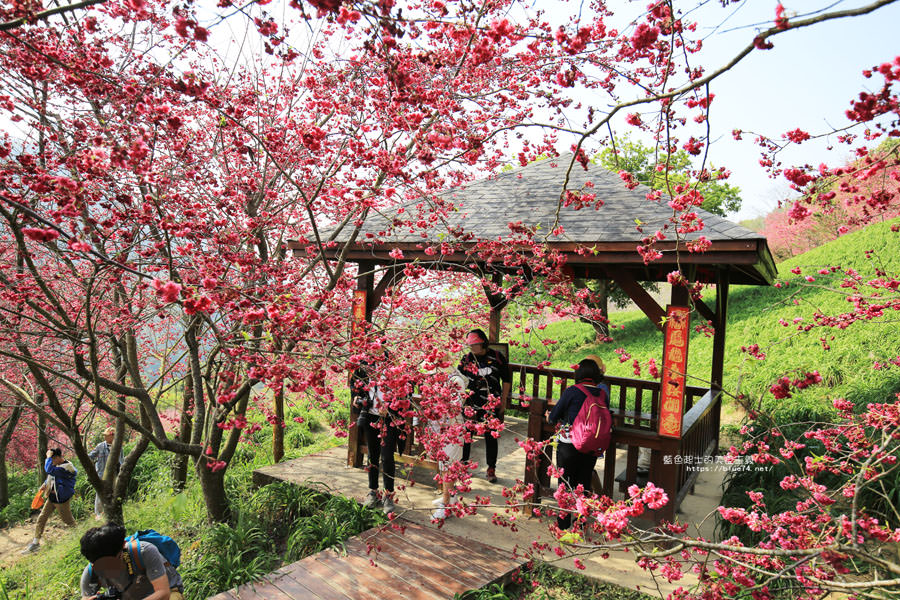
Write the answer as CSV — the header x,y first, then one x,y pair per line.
x,y
278,427
112,494
599,301
112,506
213,485
180,464
601,328
4,444
41,442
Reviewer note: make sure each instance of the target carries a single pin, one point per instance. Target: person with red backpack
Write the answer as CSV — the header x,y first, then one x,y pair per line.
x,y
583,413
132,569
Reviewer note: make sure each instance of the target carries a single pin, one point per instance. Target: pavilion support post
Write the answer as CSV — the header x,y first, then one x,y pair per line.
x,y
536,468
497,303
494,324
680,296
718,357
365,282
666,476
391,277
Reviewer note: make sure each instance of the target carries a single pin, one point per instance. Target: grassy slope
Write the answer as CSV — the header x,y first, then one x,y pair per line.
x,y
754,314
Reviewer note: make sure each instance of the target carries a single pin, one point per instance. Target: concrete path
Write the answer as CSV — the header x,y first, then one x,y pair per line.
x,y
328,470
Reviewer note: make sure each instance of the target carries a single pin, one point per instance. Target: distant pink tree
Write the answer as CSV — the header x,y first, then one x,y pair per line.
x,y
860,193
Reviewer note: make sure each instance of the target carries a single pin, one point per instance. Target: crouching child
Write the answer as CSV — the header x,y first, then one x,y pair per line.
x,y
129,569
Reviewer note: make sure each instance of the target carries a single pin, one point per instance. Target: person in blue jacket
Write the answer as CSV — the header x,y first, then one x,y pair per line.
x,y
577,466
59,488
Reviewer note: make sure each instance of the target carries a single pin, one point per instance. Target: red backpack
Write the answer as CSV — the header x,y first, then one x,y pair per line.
x,y
592,430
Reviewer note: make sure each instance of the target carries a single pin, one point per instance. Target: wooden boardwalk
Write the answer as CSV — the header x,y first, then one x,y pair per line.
x,y
422,563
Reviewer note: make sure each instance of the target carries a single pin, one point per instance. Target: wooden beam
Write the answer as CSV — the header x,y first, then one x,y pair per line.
x,y
365,281
389,279
497,302
639,295
718,357
680,296
705,311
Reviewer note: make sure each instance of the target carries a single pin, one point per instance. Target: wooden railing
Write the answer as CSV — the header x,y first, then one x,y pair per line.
x,y
634,401
634,405
699,441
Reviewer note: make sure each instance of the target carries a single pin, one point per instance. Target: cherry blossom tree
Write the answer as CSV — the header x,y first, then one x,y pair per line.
x,y
152,184
854,196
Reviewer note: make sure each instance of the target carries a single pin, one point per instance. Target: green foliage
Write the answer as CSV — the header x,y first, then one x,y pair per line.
x,y
152,474
494,591
338,519
227,556
280,504
755,224
661,171
547,582
558,584
21,489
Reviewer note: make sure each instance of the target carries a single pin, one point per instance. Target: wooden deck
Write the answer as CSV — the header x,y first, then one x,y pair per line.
x,y
422,563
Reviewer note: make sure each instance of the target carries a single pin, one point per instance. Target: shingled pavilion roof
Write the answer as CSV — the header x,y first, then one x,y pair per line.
x,y
530,195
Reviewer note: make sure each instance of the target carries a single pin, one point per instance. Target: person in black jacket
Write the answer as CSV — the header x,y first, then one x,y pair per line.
x,y
577,466
379,425
490,382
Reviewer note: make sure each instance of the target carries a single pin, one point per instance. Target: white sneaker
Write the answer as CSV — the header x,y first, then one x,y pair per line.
x,y
439,501
371,500
388,505
441,513
32,547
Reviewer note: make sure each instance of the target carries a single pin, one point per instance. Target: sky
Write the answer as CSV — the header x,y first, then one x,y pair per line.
x,y
806,81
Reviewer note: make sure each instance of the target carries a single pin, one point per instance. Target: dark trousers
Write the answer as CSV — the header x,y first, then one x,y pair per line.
x,y
491,443
577,467
381,441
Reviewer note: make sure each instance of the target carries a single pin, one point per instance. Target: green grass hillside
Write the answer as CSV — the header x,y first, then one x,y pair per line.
x,y
754,315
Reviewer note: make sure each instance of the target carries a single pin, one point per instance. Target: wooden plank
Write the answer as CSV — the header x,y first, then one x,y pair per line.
x,y
320,587
263,590
473,552
435,557
436,582
290,586
223,596
347,583
368,578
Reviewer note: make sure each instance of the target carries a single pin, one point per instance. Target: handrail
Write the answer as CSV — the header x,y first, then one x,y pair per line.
x,y
698,411
650,384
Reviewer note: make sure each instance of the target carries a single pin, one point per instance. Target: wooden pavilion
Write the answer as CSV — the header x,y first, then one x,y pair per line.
x,y
530,195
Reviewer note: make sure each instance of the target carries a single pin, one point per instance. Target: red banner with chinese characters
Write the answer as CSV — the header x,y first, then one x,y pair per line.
x,y
675,356
359,312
